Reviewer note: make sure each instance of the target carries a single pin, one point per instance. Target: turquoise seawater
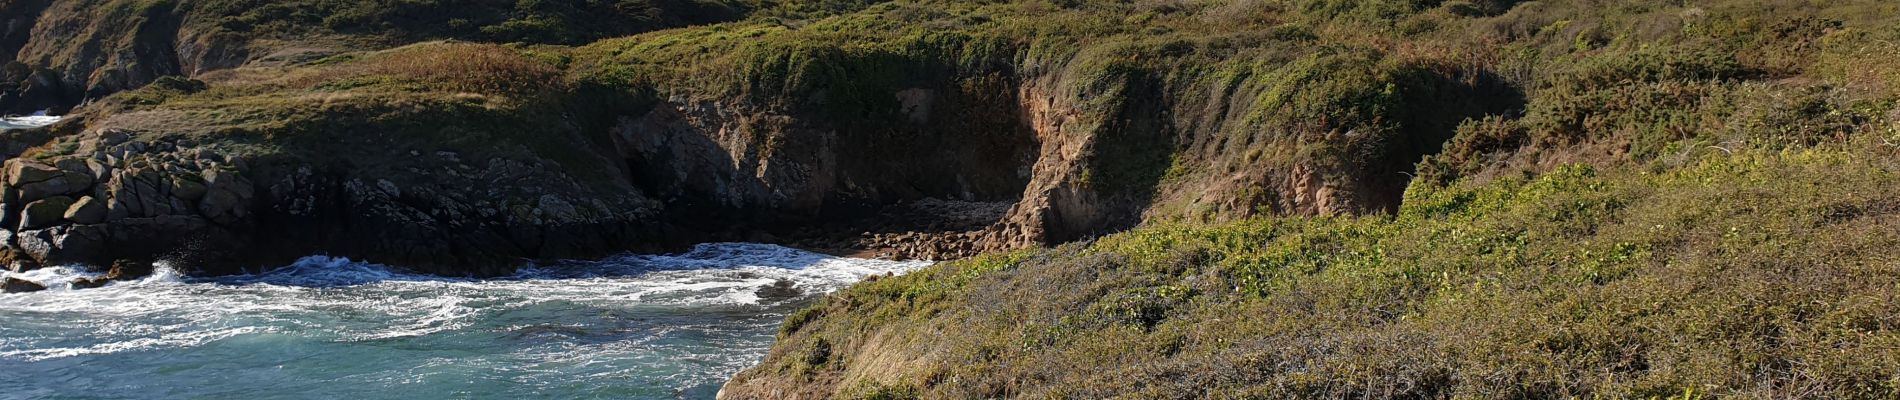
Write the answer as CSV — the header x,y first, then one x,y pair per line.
x,y
633,327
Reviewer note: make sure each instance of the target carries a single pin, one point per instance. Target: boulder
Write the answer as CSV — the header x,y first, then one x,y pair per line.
x,y
45,212
86,211
17,285
187,189
226,197
14,260
36,180
90,283
81,241
128,269
122,270
780,290
23,171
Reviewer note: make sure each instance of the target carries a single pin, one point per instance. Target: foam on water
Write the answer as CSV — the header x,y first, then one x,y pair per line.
x,y
38,119
642,326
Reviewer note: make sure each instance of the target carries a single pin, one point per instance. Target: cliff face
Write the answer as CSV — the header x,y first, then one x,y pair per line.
x,y
356,186
777,159
619,145
219,192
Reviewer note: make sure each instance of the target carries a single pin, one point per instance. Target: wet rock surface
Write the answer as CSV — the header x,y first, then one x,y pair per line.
x,y
781,289
17,285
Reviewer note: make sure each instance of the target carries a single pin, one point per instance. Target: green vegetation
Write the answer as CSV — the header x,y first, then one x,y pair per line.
x,y
369,110
1614,198
1687,200
1760,274
531,21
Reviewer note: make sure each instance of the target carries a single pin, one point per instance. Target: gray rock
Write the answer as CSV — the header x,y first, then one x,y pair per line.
x,y
100,171
86,211
36,180
17,285
35,243
45,212
388,188
80,240
227,197
111,137
779,290
23,171
117,209
187,189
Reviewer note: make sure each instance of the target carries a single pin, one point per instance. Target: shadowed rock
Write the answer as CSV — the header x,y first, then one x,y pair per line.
x,y
17,285
780,290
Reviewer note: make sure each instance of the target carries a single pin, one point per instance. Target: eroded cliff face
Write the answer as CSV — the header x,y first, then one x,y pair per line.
x,y
1171,148
779,160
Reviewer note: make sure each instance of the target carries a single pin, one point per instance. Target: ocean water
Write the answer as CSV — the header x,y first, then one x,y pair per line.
x,y
631,327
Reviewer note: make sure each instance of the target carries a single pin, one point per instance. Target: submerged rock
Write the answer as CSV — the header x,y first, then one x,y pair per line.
x,y
780,290
89,283
122,270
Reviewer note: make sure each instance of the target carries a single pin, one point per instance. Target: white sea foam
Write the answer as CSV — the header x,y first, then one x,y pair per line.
x,y
339,300
38,119
53,278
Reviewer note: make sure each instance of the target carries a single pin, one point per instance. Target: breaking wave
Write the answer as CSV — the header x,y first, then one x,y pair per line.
x,y
637,326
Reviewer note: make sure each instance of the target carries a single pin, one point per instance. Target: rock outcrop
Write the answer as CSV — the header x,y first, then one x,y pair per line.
x,y
377,155
677,170
120,197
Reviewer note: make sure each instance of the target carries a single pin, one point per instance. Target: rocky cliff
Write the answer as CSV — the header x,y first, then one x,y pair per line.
x,y
551,152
